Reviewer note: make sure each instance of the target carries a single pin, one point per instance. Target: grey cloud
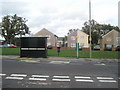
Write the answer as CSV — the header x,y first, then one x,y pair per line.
x,y
13,8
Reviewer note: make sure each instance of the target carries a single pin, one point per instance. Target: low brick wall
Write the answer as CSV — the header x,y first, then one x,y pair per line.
x,y
69,48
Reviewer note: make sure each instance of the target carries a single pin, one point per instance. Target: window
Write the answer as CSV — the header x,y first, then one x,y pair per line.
x,y
109,46
82,37
48,36
48,44
81,44
73,45
118,38
108,39
73,38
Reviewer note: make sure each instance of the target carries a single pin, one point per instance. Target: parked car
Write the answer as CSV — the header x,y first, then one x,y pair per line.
x,y
108,48
8,45
117,48
12,45
49,47
1,46
97,47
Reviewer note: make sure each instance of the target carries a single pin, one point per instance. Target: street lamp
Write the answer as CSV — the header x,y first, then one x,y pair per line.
x,y
90,27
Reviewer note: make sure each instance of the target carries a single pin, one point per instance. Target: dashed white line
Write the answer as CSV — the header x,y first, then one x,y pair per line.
x,y
59,62
45,76
105,78
107,81
18,75
64,80
82,80
37,79
100,64
17,78
2,74
82,77
61,76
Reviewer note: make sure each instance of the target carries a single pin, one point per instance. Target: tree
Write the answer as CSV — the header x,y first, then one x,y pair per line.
x,y
12,26
97,30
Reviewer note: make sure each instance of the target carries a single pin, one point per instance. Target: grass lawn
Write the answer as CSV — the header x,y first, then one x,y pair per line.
x,y
68,53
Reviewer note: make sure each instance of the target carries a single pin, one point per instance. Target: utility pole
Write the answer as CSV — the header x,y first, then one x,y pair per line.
x,y
90,27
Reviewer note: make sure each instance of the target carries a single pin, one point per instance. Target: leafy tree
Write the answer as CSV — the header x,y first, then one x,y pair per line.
x,y
12,26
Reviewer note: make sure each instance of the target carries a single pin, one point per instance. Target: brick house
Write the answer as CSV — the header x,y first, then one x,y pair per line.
x,y
82,39
111,39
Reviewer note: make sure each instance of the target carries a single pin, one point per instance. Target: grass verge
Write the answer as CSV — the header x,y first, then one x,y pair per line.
x,y
68,53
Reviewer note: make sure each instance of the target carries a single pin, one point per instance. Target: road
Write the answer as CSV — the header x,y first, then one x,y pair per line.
x,y
59,74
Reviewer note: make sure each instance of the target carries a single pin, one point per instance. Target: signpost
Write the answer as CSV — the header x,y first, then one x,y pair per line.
x,y
77,46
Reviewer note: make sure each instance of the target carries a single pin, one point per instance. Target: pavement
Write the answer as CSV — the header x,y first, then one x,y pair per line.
x,y
57,58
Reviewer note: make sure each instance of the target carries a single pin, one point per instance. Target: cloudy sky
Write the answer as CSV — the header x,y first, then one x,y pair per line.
x,y
58,16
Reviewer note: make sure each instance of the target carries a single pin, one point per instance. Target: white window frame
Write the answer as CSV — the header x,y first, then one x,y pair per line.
x,y
109,39
73,38
117,38
73,45
82,37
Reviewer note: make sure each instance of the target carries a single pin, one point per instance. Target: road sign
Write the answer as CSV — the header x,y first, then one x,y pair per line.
x,y
77,36
90,39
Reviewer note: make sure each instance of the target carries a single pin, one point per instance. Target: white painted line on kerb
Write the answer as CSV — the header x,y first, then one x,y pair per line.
x,y
63,80
2,74
17,78
45,76
18,75
82,80
37,79
82,77
107,81
105,78
61,76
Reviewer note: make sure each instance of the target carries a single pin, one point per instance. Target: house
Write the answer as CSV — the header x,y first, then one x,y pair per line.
x,y
62,41
77,36
51,38
110,40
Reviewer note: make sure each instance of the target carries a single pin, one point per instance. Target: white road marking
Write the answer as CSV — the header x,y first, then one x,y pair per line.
x,y
40,76
61,76
82,77
2,74
64,80
107,81
105,78
82,80
37,79
100,64
59,62
17,78
18,75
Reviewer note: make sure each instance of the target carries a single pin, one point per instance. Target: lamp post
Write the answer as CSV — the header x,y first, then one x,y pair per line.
x,y
90,27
